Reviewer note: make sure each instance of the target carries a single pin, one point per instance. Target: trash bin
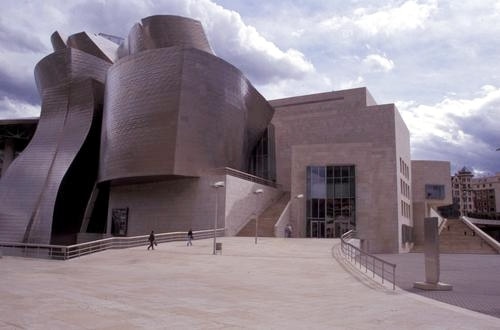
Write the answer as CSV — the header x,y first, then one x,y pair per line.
x,y
218,248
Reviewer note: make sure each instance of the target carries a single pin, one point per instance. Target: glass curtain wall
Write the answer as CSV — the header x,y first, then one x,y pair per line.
x,y
262,161
331,200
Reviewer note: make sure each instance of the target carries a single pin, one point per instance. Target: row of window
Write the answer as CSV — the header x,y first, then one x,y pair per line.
x,y
405,210
473,186
404,168
484,185
405,188
464,193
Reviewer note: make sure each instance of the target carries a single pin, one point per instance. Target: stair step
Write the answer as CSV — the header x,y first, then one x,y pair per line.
x,y
267,219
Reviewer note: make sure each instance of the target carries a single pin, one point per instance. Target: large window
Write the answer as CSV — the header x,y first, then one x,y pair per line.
x,y
434,191
331,199
262,160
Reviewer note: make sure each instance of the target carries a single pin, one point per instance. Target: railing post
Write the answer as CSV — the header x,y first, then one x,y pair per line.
x,y
373,268
382,273
394,277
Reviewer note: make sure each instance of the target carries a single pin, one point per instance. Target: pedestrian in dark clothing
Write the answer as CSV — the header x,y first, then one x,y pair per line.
x,y
190,237
152,241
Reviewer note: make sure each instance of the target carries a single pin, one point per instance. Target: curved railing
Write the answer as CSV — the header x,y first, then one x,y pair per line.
x,y
63,252
385,270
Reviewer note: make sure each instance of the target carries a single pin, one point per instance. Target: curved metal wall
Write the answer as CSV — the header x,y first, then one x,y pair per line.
x,y
178,111
171,108
65,80
163,31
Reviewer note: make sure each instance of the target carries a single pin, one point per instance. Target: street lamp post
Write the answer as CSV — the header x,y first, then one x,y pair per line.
x,y
299,197
218,184
257,192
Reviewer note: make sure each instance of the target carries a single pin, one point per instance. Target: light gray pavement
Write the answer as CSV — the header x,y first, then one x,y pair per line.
x,y
276,284
475,279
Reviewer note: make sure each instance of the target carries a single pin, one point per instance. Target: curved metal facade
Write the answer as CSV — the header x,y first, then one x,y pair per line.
x,y
170,108
70,83
177,109
163,31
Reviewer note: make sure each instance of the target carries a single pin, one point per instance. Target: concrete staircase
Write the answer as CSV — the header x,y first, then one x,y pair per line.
x,y
267,219
456,237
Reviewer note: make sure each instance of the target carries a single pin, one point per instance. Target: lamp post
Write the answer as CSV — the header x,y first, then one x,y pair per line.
x,y
299,197
257,192
218,184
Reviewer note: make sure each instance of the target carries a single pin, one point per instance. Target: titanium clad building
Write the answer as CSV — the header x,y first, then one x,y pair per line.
x,y
133,134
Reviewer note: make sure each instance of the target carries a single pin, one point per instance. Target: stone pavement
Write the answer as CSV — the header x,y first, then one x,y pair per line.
x,y
276,284
475,279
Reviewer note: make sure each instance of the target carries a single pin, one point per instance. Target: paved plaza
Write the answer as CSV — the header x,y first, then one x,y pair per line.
x,y
475,279
276,284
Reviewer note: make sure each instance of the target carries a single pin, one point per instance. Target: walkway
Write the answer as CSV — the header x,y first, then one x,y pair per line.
x,y
276,284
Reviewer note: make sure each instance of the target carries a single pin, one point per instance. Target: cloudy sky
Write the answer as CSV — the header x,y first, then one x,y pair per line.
x,y
438,61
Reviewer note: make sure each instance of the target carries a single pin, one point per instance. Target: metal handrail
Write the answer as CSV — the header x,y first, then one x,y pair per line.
x,y
248,177
64,252
441,220
487,238
370,262
279,226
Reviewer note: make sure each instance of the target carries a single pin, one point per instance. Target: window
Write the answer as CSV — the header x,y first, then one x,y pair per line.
x,y
407,234
330,200
434,191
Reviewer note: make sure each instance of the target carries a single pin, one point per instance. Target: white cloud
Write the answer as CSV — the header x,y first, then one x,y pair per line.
x,y
240,43
410,15
378,63
358,82
261,60
441,119
463,131
310,84
10,108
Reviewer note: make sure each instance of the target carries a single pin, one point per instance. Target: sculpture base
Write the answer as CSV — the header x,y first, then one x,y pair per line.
x,y
433,286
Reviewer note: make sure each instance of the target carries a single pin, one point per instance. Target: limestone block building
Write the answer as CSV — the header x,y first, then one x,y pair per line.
x,y
132,135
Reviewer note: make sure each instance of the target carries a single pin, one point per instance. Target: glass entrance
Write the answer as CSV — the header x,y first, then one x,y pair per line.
x,y
317,229
331,200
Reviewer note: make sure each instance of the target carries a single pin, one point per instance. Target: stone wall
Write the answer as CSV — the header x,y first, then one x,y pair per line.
x,y
242,203
339,128
427,172
183,203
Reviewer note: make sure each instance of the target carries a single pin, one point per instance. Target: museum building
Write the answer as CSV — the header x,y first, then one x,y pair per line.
x,y
133,135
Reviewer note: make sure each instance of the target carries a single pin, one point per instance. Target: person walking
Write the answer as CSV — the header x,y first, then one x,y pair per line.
x,y
289,231
190,238
152,241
